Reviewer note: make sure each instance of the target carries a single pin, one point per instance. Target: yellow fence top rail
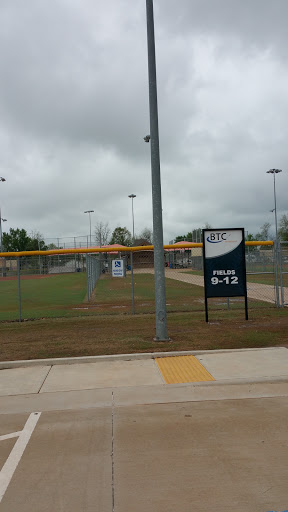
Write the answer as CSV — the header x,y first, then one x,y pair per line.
x,y
91,250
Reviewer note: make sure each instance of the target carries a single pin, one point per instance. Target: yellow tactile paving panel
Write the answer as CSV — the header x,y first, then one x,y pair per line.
x,y
180,369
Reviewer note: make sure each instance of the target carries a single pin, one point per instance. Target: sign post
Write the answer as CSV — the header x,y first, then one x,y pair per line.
x,y
224,264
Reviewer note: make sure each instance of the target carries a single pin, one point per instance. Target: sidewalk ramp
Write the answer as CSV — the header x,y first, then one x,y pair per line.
x,y
180,369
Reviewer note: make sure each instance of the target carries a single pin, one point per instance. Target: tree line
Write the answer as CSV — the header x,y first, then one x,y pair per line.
x,y
16,240
19,240
120,235
263,234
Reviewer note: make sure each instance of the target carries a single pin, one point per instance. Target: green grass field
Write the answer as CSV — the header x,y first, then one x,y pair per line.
x,y
111,294
64,296
65,325
51,296
114,295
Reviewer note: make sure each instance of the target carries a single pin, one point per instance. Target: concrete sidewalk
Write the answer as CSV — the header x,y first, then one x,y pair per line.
x,y
62,375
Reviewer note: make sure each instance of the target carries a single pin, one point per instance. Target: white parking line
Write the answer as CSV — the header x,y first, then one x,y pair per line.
x,y
10,436
13,460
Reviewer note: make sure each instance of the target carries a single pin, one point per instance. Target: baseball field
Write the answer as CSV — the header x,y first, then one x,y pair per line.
x,y
59,322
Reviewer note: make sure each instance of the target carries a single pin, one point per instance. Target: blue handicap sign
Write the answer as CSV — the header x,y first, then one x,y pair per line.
x,y
117,263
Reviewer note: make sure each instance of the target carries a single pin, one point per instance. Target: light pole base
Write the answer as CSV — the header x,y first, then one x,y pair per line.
x,y
163,340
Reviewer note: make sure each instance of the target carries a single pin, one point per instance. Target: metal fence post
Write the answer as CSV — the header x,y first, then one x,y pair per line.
x,y
276,256
132,284
39,258
87,276
281,276
98,271
75,254
19,288
90,276
94,272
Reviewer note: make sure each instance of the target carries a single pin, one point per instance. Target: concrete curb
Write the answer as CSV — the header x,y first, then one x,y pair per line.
x,y
120,357
231,382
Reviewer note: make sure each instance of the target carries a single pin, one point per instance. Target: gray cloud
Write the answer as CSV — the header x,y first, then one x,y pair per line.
x,y
74,110
259,24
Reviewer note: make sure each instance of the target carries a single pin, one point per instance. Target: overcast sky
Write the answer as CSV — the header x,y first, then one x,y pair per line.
x,y
74,111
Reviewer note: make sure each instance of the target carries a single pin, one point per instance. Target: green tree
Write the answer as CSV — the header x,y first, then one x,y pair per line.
x,y
102,232
18,240
36,242
180,238
251,238
147,234
192,236
264,233
283,228
121,236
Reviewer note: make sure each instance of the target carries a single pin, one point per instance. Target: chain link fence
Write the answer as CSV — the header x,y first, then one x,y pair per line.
x,y
283,281
184,283
68,242
66,285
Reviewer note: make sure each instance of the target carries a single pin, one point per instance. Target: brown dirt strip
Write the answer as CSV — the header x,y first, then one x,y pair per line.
x,y
124,334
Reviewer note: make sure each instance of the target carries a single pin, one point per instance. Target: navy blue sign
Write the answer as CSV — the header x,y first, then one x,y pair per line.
x,y
224,264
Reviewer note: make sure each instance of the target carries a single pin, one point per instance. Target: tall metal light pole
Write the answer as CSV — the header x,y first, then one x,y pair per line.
x,y
90,211
159,269
276,171
132,196
1,233
1,242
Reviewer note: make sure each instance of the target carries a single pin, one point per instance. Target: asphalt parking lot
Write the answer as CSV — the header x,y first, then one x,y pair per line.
x,y
219,445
